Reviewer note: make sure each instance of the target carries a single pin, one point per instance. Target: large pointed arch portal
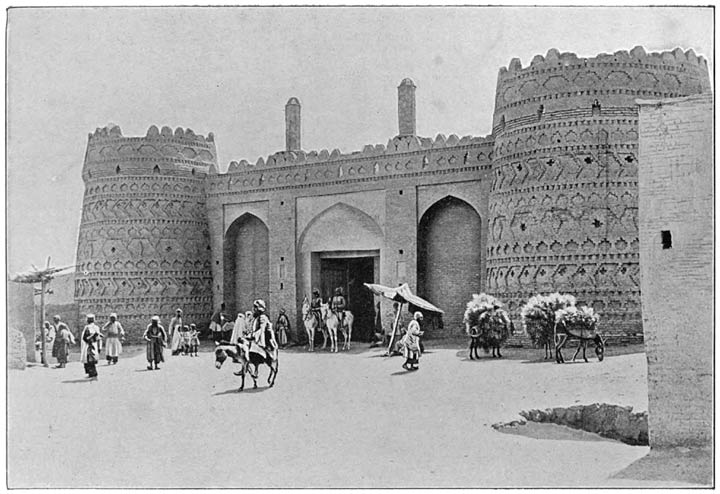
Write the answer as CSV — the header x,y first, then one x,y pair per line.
x,y
246,263
341,247
449,258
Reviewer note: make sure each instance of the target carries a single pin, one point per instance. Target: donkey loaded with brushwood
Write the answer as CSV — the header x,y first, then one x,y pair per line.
x,y
577,323
538,317
487,324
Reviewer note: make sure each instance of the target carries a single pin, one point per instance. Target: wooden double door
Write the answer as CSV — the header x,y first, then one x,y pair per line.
x,y
350,274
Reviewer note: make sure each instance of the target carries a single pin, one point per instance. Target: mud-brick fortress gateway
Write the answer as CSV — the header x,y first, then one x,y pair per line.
x,y
548,201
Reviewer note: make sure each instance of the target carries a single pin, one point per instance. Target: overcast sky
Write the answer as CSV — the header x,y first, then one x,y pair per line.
x,y
230,71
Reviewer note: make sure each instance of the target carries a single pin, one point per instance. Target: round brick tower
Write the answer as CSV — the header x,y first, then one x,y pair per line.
x,y
563,202
143,246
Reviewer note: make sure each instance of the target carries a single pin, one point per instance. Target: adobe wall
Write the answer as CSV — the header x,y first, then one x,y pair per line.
x,y
563,205
20,307
392,185
143,246
677,268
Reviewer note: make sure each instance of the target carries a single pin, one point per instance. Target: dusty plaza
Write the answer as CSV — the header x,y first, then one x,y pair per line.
x,y
348,419
477,261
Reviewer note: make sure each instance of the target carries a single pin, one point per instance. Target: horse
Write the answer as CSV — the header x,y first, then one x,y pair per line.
x,y
240,353
584,334
491,332
311,322
333,323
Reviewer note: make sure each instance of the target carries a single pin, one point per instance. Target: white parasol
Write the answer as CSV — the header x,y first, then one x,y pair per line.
x,y
403,295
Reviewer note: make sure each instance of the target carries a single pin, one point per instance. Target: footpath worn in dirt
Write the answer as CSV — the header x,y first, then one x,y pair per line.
x,y
332,420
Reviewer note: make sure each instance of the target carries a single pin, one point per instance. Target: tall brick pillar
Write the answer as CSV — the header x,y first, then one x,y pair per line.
x,y
292,125
406,107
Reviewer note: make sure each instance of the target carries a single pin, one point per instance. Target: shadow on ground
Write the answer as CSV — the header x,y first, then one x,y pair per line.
x,y
694,466
536,430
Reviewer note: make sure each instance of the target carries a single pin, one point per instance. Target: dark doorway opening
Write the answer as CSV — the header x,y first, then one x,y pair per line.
x,y
350,273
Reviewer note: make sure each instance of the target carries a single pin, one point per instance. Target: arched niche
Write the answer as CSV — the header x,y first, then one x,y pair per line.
x,y
450,267
246,274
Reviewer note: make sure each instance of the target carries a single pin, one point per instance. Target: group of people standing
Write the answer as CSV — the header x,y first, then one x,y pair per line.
x,y
91,340
184,339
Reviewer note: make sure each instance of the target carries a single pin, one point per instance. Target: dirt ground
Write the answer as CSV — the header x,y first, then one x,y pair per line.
x,y
352,419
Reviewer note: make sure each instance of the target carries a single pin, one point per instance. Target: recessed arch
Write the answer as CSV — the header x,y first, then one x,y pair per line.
x,y
450,266
246,274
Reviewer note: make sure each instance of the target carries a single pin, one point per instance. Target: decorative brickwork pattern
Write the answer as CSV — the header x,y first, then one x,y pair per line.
x,y
143,246
563,203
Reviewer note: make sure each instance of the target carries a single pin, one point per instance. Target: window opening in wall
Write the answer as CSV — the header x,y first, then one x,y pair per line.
x,y
193,171
282,258
117,169
282,203
666,238
282,286
156,170
401,252
522,226
597,223
588,160
629,159
401,192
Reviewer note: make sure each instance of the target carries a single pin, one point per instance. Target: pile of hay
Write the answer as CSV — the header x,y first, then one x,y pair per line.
x,y
538,315
486,318
481,306
577,317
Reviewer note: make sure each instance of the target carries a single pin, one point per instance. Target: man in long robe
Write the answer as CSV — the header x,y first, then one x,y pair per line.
x,y
57,327
261,333
216,323
113,333
282,328
411,342
156,339
176,325
90,338
64,338
238,328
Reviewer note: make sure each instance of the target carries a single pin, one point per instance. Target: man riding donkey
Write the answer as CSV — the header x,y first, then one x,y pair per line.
x,y
260,337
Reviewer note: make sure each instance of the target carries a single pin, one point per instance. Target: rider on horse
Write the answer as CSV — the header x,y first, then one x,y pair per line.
x,y
315,305
338,305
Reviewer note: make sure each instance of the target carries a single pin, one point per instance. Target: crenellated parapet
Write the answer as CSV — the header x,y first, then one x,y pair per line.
x,y
563,202
180,153
400,157
396,145
560,81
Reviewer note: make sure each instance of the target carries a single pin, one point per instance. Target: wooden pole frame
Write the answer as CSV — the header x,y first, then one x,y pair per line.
x,y
395,325
43,336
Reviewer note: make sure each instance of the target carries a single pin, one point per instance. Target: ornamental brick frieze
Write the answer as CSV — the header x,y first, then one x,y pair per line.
x,y
143,245
563,204
138,184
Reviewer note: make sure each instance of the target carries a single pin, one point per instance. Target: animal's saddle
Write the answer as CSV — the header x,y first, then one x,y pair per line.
x,y
581,331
